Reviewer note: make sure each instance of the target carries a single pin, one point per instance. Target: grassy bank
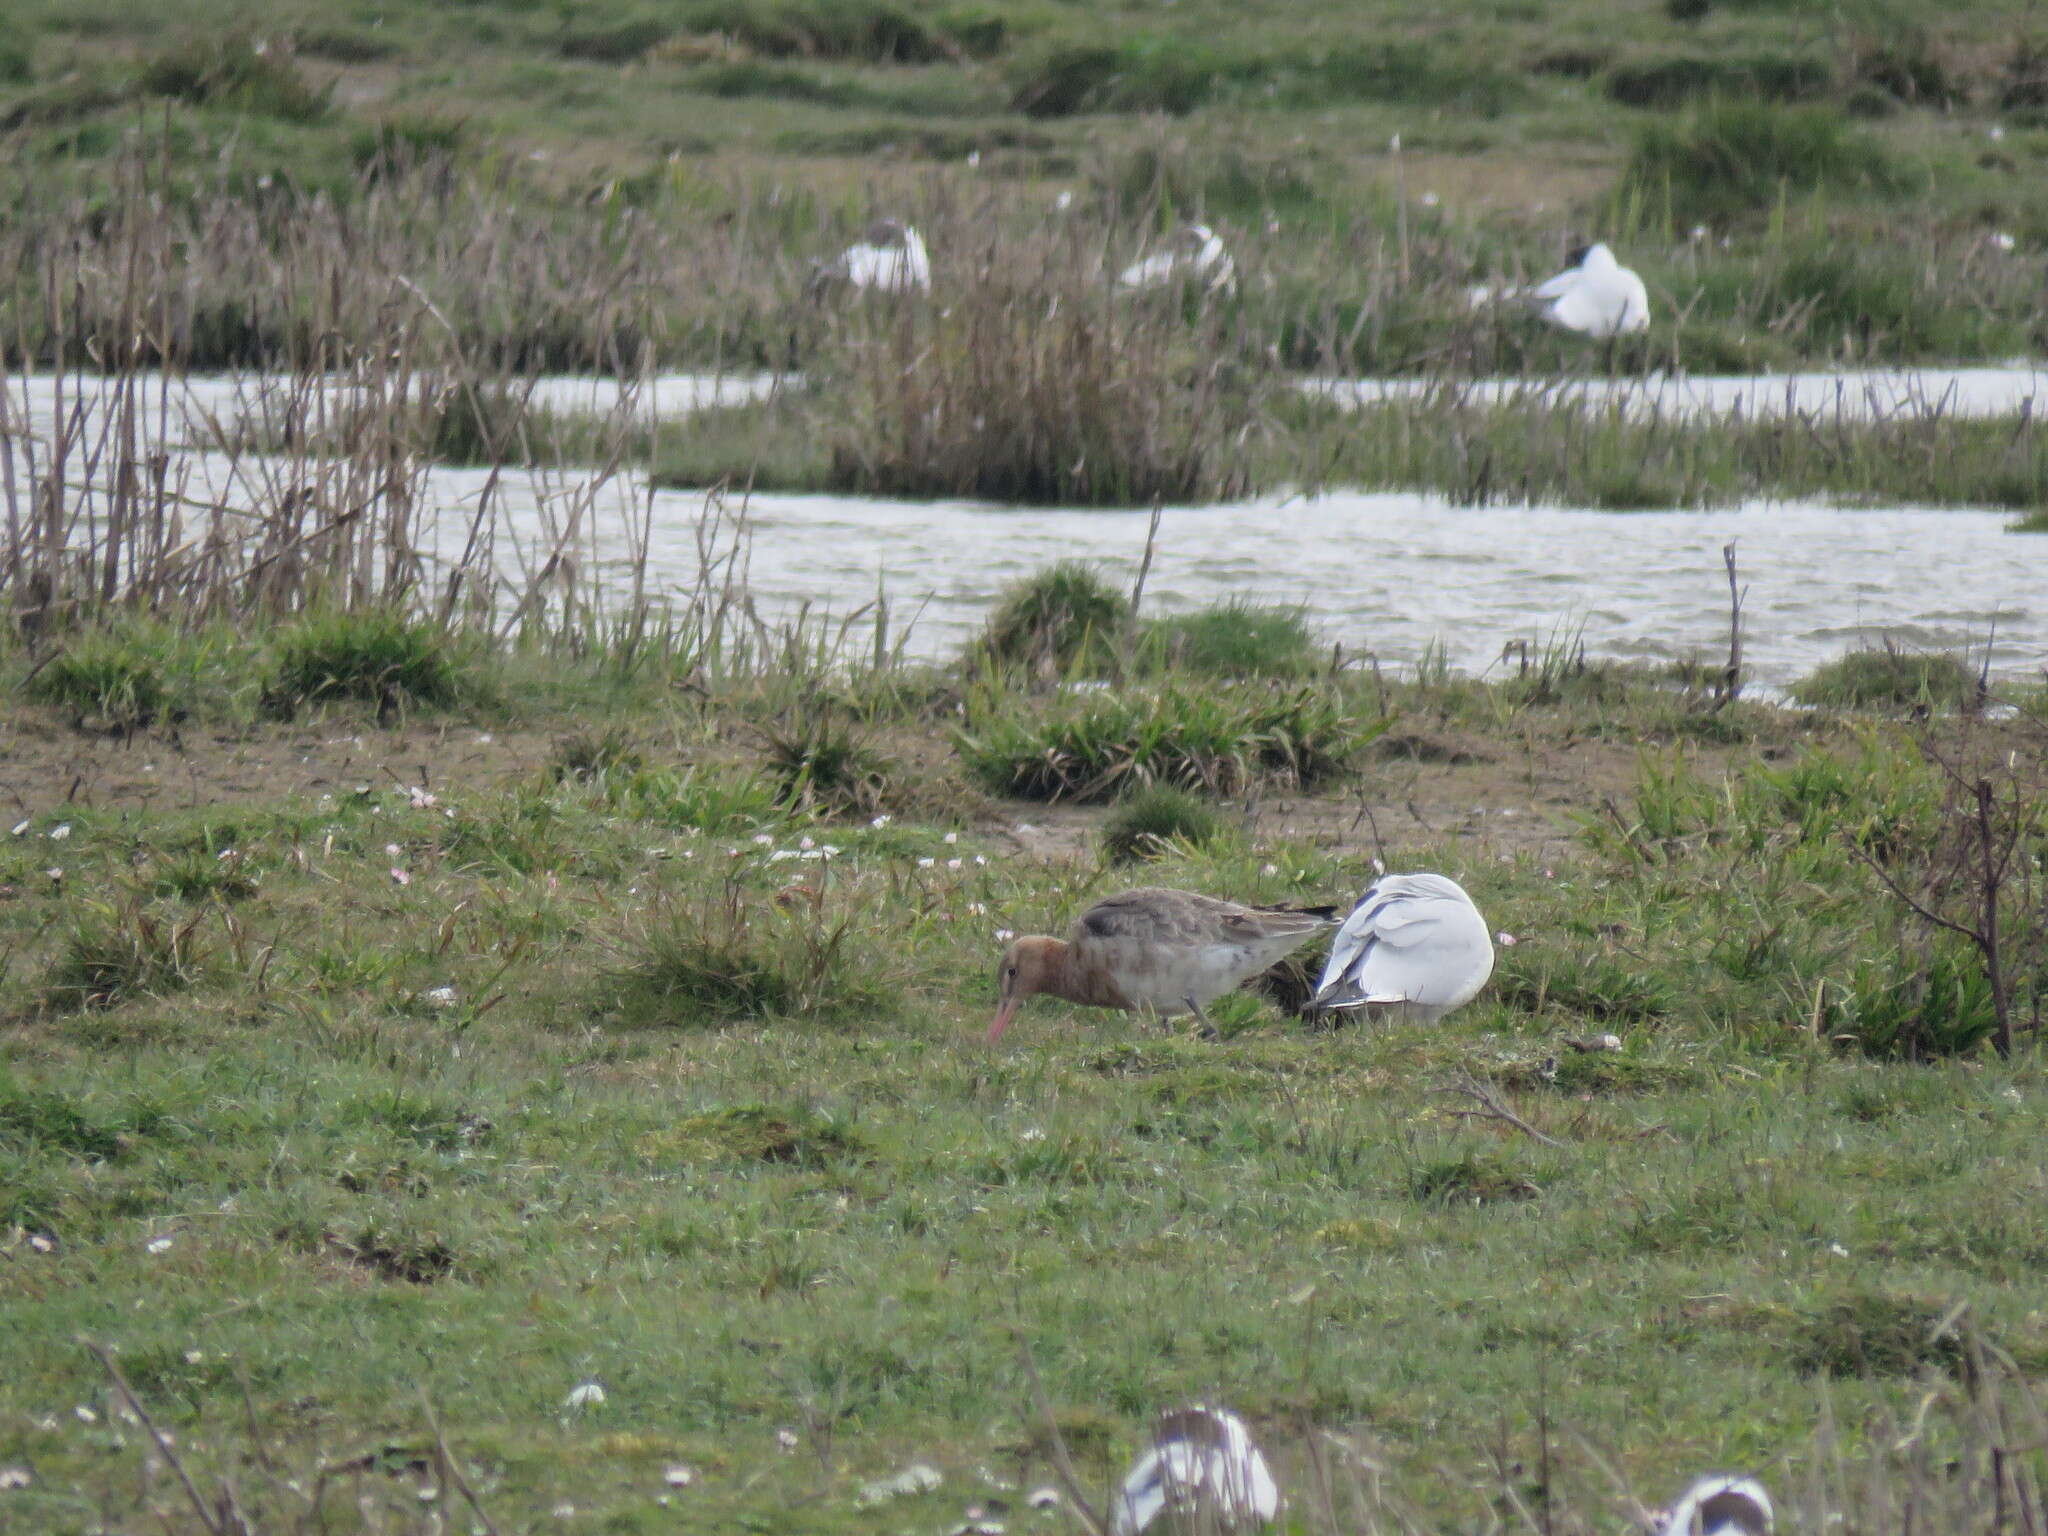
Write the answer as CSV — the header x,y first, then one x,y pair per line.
x,y
391,1056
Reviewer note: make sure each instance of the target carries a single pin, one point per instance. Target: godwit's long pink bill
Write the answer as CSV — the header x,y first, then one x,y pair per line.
x,y
1159,950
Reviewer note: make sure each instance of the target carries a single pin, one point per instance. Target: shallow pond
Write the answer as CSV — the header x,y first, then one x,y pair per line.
x,y
1390,574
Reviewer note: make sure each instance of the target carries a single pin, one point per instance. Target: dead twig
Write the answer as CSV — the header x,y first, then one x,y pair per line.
x,y
208,1517
1062,1463
1491,1108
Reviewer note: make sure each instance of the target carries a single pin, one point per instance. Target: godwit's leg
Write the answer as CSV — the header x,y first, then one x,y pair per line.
x,y
1208,1031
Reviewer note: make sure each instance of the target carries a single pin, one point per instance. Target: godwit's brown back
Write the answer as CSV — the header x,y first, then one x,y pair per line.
x,y
1159,949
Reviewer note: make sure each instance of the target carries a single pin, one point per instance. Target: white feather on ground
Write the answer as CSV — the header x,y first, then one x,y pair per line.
x,y
1194,254
1720,1505
1414,942
1203,1473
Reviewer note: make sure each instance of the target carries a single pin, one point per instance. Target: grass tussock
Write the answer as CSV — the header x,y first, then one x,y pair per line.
x,y
822,761
709,959
1891,678
1097,745
1063,619
1234,640
372,657
1151,821
238,74
118,953
107,681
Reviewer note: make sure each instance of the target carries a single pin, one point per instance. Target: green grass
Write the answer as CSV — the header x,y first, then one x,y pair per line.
x,y
1060,618
1150,821
1889,678
1097,745
1234,639
377,656
609,1091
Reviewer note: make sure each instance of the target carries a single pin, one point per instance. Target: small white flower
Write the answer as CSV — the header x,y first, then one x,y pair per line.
x,y
1269,869
1995,132
1699,233
1064,201
439,997
1004,935
399,876
880,822
392,850
1043,1498
805,842
2001,241
194,1356
950,837
952,863
42,1244
981,861
55,872
20,827
679,1476
564,1511
927,863
785,1440
587,1394
227,856
483,739
1429,199
157,1245
1838,1250
1505,939
976,909
762,840
1394,145
1379,867
15,1477
58,834
85,1415
1031,1133
422,799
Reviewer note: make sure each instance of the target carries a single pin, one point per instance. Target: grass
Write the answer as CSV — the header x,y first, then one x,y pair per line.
x,y
1064,617
607,1063
383,658
1095,746
1889,678
1235,639
1148,823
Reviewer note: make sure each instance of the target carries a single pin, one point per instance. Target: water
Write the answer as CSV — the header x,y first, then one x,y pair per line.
x,y
1389,574
1868,395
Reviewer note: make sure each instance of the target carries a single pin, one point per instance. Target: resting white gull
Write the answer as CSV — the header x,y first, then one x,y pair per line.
x,y
1721,1505
1595,295
891,258
1203,1473
1193,254
1414,943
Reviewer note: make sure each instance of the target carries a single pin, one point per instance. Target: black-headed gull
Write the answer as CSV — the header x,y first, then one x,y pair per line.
x,y
1203,1473
1595,295
1193,254
1154,950
890,258
1721,1505
1414,943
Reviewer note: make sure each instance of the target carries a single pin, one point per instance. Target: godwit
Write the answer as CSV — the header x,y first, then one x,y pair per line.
x,y
1415,943
1721,1505
1162,951
1203,1473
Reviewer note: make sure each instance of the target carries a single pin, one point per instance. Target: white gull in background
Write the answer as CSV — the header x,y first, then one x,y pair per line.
x,y
1415,943
891,258
1595,295
1720,1505
1203,1473
1192,254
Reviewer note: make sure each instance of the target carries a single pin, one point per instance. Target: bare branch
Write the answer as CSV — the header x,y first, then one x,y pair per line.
x,y
1492,1109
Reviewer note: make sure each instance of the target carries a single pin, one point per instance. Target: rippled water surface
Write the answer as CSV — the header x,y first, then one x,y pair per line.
x,y
1393,574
